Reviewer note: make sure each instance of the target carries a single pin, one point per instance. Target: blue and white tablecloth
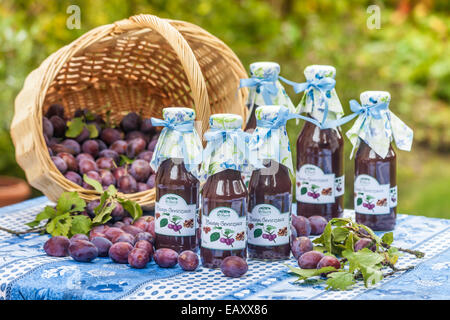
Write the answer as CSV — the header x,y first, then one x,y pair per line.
x,y
26,272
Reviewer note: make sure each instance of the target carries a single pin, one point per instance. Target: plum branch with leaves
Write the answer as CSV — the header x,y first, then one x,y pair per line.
x,y
67,218
340,238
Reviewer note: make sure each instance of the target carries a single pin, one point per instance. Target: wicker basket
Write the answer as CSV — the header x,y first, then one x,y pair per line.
x,y
140,64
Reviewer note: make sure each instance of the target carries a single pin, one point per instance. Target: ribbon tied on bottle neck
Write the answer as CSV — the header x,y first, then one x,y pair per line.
x,y
323,85
180,128
373,111
216,137
266,86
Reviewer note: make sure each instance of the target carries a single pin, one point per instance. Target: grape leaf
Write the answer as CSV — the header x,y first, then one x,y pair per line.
x,y
74,127
340,280
80,224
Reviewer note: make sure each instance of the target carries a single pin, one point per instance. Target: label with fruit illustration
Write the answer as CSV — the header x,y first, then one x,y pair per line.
x,y
370,196
224,229
339,186
393,192
267,226
313,186
174,217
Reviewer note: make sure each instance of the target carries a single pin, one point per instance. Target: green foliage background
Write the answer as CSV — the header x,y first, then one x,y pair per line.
x,y
409,56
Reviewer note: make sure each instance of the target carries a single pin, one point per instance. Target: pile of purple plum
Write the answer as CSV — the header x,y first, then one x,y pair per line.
x,y
123,242
302,246
100,152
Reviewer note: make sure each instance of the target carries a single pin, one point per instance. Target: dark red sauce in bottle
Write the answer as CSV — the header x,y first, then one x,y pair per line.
x,y
269,210
177,204
375,188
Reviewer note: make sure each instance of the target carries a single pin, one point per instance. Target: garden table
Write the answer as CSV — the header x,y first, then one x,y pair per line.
x,y
26,272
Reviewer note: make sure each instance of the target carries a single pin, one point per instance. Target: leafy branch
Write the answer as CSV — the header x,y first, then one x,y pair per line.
x,y
339,239
68,216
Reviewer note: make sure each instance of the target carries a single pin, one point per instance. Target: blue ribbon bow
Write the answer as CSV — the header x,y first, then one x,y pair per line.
x,y
180,128
267,87
216,137
323,85
373,111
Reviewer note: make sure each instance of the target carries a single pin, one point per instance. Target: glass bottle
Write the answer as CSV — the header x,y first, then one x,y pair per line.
x,y
320,152
224,194
270,189
176,162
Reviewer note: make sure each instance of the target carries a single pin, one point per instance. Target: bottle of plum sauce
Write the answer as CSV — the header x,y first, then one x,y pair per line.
x,y
264,89
375,184
270,189
224,194
177,185
320,152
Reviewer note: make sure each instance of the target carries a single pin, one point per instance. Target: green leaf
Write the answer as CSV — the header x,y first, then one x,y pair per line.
x,y
74,127
303,190
214,236
104,215
93,183
359,201
112,191
60,225
80,224
93,132
176,218
308,273
388,238
47,213
70,202
125,160
362,258
325,238
340,280
163,222
133,208
228,231
371,275
339,234
350,242
257,233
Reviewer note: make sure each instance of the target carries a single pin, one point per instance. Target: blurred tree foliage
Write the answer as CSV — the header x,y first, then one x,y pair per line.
x,y
409,55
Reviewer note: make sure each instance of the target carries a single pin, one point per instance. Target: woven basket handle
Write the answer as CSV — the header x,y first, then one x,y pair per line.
x,y
185,54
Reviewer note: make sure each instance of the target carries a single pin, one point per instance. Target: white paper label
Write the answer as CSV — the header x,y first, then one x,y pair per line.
x,y
224,229
174,217
313,186
370,196
267,226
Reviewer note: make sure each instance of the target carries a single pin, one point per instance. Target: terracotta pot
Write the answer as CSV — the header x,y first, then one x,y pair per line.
x,y
13,190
